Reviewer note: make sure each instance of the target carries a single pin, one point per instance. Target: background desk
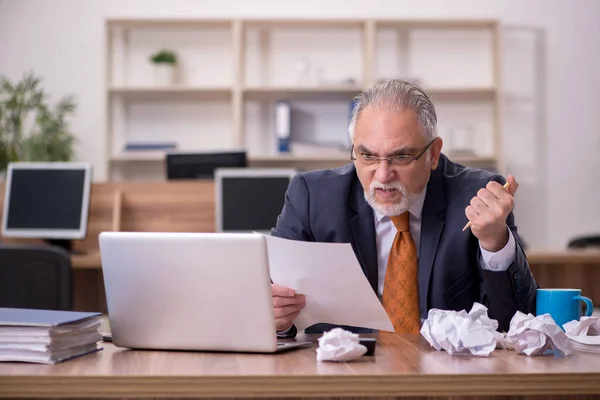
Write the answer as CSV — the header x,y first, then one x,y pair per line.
x,y
578,269
188,206
402,366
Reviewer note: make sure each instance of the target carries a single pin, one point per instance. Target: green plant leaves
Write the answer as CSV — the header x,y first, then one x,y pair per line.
x,y
164,57
48,139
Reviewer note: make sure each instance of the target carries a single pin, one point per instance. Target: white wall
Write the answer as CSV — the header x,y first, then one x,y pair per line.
x,y
62,40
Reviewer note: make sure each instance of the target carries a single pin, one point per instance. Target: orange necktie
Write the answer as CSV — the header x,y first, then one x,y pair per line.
x,y
400,288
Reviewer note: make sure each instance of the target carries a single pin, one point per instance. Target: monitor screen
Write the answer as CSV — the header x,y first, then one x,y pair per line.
x,y
202,165
47,200
250,200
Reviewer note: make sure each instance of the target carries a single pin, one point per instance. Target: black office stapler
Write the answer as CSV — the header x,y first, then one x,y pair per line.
x,y
369,343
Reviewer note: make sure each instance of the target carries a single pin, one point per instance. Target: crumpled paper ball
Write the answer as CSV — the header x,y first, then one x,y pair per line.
x,y
535,336
339,345
461,333
586,326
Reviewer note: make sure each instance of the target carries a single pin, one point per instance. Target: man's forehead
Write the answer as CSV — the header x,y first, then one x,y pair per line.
x,y
388,130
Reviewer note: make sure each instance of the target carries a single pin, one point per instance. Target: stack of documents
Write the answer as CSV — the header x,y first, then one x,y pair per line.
x,y
588,344
584,334
47,336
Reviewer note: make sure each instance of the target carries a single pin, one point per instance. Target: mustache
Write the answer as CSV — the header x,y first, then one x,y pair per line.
x,y
391,185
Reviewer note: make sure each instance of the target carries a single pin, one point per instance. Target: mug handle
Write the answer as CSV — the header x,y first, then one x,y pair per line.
x,y
589,306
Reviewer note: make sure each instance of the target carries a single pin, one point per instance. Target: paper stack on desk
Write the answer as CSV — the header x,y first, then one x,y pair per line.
x,y
47,336
584,334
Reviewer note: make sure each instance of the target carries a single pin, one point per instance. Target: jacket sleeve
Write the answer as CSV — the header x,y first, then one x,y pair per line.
x,y
506,292
294,220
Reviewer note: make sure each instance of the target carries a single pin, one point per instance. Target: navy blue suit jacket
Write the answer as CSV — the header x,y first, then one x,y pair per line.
x,y
329,206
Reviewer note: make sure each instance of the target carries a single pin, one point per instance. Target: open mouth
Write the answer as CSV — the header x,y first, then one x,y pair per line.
x,y
387,194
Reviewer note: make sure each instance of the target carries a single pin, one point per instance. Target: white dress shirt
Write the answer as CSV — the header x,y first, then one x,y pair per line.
x,y
386,231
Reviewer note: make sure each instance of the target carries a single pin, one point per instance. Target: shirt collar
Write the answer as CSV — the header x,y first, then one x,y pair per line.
x,y
415,210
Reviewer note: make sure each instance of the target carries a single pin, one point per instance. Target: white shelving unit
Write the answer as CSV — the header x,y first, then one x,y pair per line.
x,y
232,71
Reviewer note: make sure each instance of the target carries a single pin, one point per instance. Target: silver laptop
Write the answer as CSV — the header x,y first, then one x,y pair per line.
x,y
190,291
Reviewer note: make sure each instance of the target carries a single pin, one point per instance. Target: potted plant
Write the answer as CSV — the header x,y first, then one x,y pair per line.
x,y
165,63
30,128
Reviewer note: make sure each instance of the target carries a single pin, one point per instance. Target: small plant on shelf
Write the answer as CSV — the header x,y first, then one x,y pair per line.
x,y
165,62
164,57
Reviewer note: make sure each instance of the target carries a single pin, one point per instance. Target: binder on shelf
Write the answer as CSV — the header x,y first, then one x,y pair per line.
x,y
47,336
353,104
283,125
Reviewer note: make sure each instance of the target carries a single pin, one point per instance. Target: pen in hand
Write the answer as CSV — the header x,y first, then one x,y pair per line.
x,y
506,186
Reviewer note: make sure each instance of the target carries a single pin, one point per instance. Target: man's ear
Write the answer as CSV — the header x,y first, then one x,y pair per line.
x,y
435,150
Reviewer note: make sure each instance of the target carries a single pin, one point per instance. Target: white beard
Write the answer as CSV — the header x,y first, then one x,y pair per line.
x,y
390,210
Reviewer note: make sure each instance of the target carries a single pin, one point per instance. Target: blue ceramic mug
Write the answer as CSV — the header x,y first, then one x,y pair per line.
x,y
563,305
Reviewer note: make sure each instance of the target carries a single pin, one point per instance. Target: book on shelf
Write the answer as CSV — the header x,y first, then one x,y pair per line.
x,y
47,336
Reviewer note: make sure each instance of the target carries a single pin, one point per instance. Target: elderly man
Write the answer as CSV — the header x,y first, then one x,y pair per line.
x,y
402,205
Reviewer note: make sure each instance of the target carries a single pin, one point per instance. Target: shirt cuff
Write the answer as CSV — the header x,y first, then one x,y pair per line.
x,y
502,259
285,332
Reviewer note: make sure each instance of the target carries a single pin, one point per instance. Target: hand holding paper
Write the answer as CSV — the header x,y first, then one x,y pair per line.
x,y
331,280
286,306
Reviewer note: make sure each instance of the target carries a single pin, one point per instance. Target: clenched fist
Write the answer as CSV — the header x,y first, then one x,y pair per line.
x,y
488,212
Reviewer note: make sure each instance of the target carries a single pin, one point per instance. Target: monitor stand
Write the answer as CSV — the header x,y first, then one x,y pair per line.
x,y
65,244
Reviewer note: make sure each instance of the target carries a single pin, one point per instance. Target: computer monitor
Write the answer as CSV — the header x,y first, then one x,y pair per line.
x,y
249,199
201,165
47,201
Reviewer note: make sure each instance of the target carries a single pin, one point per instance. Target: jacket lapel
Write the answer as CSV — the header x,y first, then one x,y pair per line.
x,y
363,233
432,225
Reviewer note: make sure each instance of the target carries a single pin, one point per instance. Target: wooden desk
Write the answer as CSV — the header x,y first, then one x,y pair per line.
x,y
568,269
564,257
88,260
402,366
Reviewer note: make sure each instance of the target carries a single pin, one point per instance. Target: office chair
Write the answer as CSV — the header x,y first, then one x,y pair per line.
x,y
582,242
37,277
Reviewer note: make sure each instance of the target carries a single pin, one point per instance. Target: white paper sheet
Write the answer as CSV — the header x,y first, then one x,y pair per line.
x,y
329,275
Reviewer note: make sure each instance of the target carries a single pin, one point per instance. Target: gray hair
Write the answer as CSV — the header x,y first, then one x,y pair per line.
x,y
396,94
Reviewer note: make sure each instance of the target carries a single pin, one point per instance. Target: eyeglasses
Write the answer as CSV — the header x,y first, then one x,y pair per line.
x,y
397,160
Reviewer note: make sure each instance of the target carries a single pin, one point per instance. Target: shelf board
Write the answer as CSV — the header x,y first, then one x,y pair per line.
x,y
345,157
171,92
139,156
341,91
291,158
346,91
303,23
472,160
278,158
315,92
457,93
130,23
436,23
187,23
